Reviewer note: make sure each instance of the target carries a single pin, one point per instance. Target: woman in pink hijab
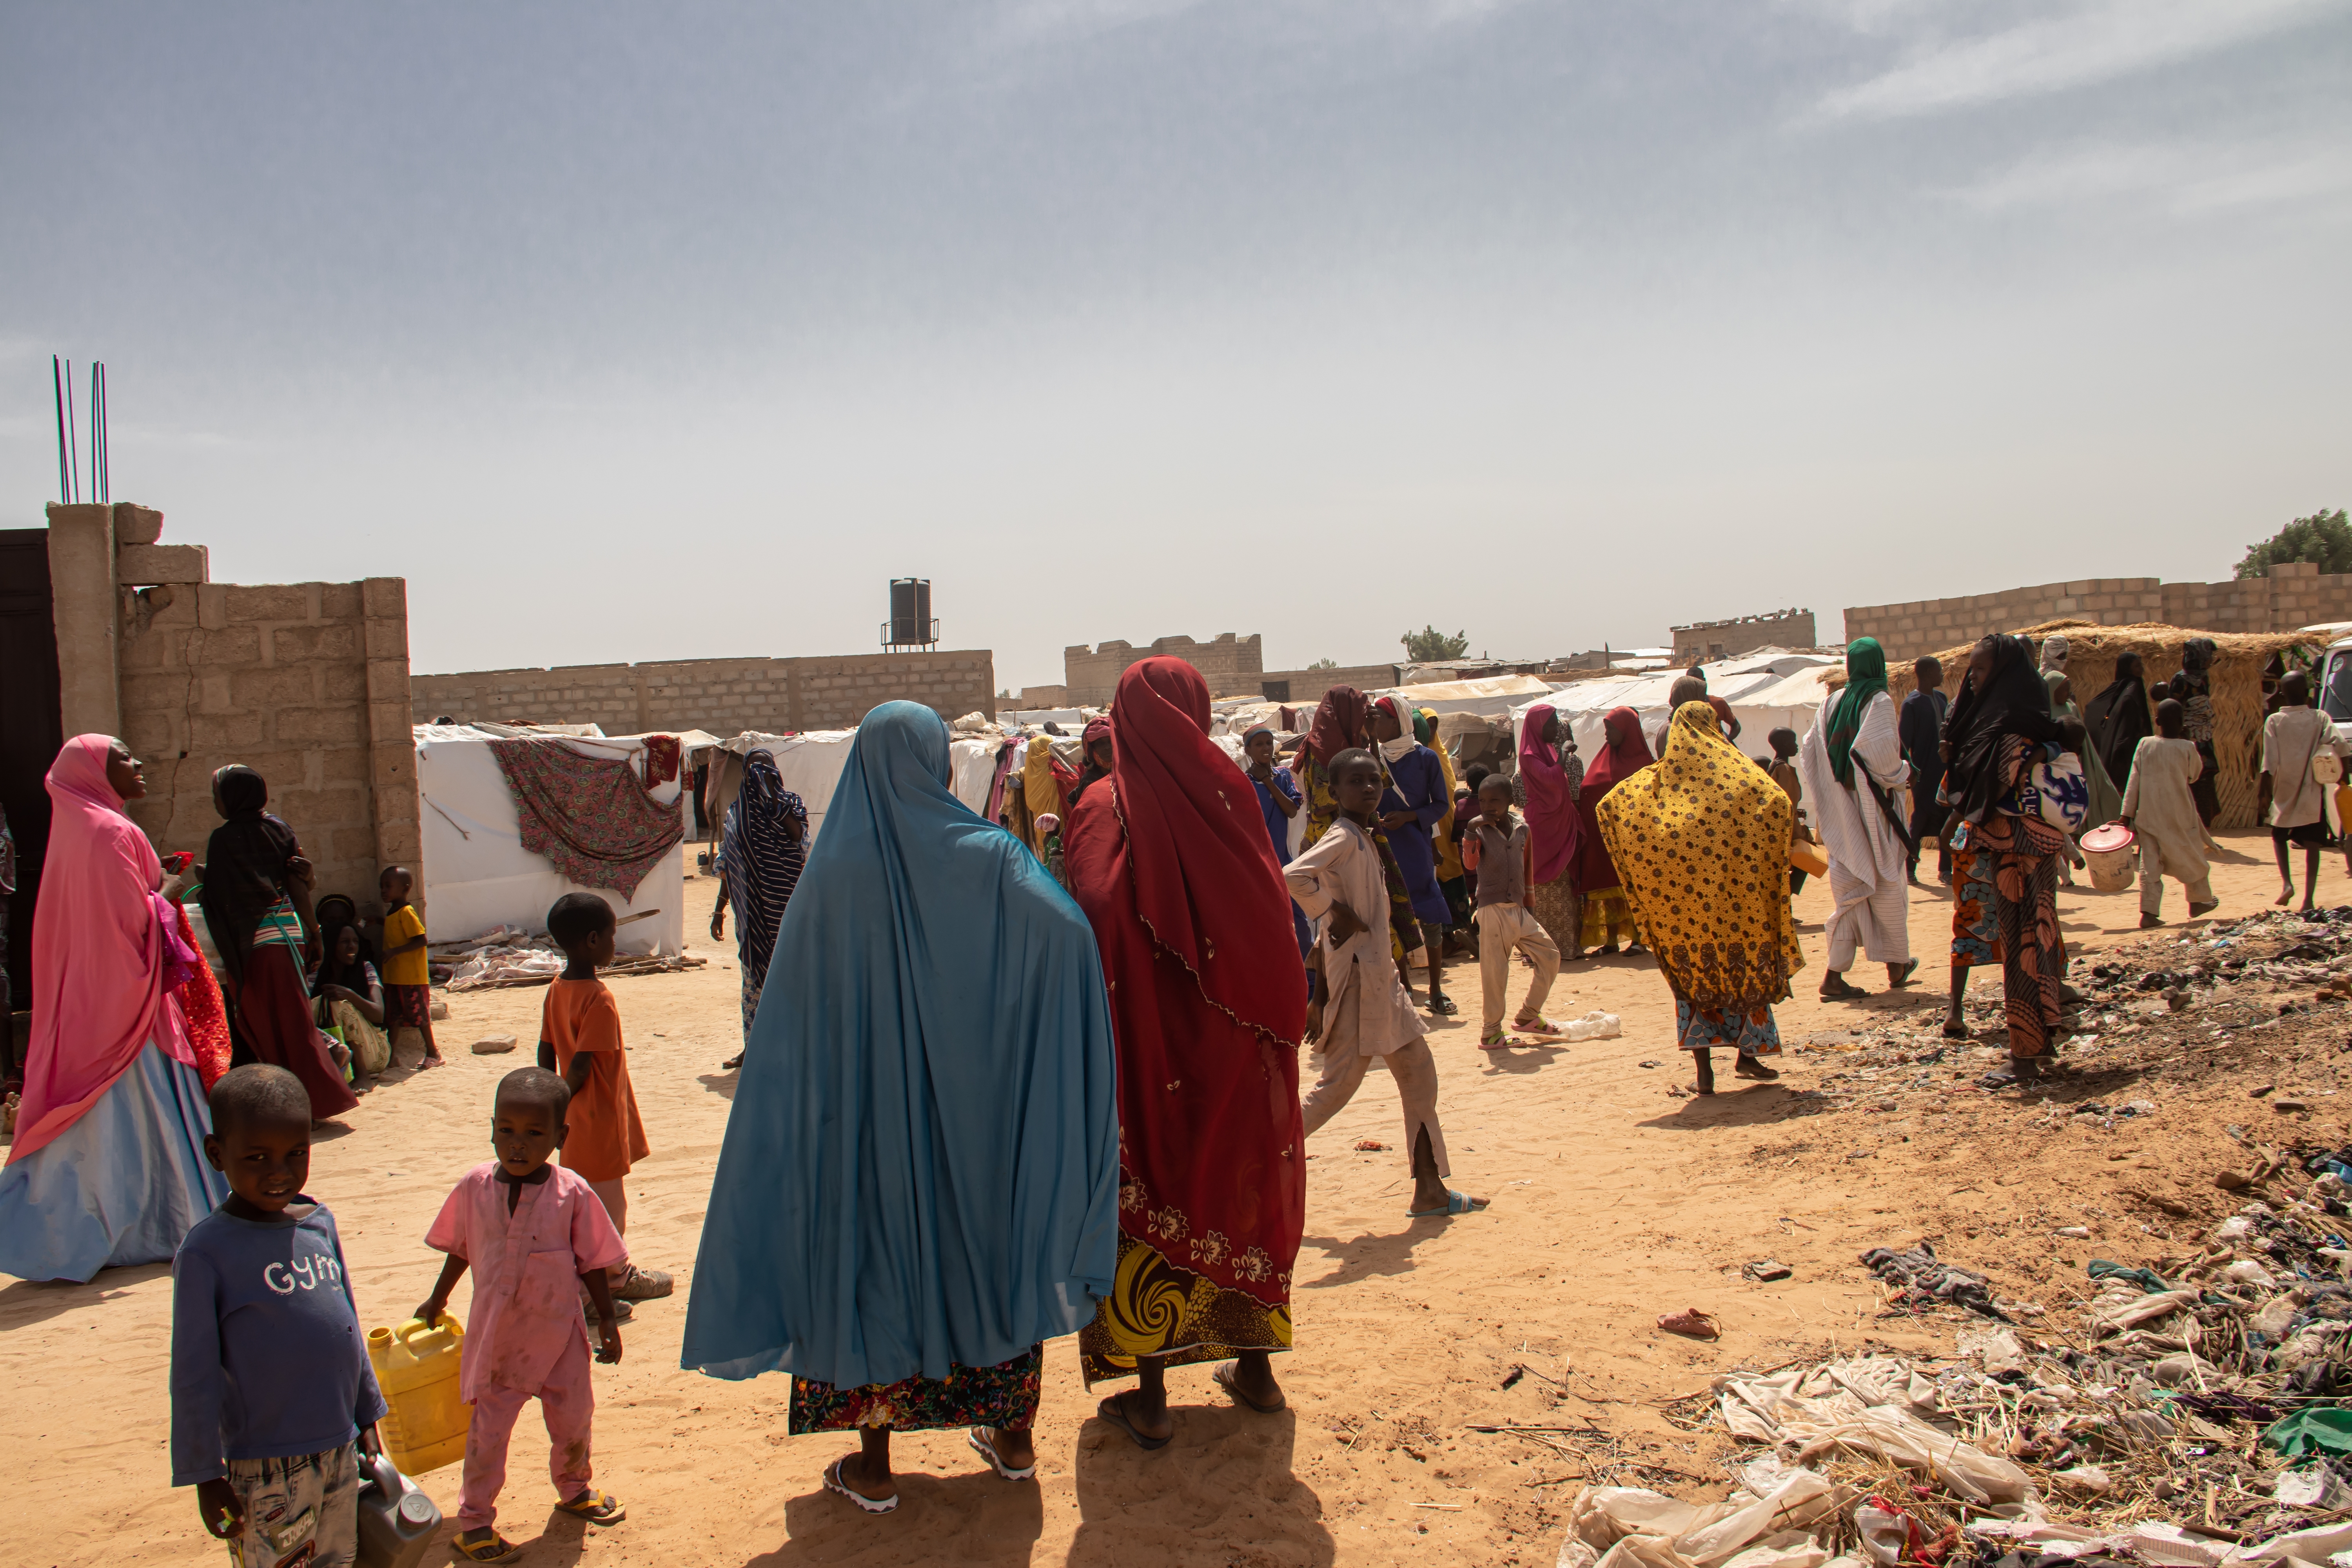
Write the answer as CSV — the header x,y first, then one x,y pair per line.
x,y
1555,834
1605,907
107,1166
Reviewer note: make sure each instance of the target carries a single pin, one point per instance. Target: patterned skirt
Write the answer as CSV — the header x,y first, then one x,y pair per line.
x,y
1976,909
1752,1033
1158,1309
1553,904
2033,954
1001,1396
1606,907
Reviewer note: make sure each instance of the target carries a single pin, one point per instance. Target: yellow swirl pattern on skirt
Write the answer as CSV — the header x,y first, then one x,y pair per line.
x,y
1156,1309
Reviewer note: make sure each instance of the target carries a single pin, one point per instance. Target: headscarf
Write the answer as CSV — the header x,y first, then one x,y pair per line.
x,y
98,951
1624,754
1097,729
1701,846
1396,751
2119,720
2013,701
1865,677
921,1167
1339,718
1449,854
764,847
1554,830
1194,848
2053,654
1043,782
245,863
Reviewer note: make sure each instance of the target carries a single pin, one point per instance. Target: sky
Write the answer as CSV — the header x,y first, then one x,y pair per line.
x,y
653,332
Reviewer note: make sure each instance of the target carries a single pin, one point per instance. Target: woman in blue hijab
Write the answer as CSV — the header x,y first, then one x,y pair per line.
x,y
919,1182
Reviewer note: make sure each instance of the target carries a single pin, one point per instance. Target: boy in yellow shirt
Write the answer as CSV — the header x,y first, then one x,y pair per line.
x,y
407,983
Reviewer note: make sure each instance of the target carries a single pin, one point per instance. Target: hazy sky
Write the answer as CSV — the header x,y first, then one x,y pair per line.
x,y
643,331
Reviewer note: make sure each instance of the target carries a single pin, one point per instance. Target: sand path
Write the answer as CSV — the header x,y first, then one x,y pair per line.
x,y
1613,1201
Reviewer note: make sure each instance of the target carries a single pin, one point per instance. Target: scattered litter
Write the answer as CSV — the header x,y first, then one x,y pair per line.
x,y
1922,1279
1765,1270
1369,1145
492,1044
1645,1064
1692,1322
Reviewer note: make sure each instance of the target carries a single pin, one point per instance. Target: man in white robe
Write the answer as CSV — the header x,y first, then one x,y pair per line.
x,y
1868,864
2161,808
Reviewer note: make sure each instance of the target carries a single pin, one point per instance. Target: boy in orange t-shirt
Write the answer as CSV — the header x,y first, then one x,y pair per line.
x,y
580,1037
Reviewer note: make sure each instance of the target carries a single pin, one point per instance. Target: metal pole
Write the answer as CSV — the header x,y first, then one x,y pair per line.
x,y
73,456
106,439
58,391
96,487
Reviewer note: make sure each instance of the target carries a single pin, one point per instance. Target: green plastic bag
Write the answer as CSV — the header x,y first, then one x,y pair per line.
x,y
2314,1429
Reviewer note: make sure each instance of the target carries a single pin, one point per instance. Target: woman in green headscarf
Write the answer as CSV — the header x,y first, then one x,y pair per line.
x,y
1855,781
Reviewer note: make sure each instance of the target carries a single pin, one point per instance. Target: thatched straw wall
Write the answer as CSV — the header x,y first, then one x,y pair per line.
x,y
2243,666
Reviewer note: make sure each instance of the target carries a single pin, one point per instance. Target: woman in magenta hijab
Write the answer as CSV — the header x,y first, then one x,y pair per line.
x,y
1605,908
1555,832
107,1166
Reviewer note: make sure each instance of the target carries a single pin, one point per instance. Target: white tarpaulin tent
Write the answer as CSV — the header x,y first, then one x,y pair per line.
x,y
810,765
1768,690
1487,694
476,874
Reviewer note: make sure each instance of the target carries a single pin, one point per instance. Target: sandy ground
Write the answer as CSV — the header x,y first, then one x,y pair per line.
x,y
1613,1200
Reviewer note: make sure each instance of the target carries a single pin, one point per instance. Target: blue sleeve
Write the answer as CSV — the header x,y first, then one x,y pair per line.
x,y
1434,803
1287,786
367,1403
198,1388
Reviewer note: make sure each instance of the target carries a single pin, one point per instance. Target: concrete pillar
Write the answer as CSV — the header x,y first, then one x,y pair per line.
x,y
86,609
392,745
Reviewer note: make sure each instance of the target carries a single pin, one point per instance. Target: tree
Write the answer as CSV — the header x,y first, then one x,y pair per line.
x,y
1429,644
1325,664
2324,539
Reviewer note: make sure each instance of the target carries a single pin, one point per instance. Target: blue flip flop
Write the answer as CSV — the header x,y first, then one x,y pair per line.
x,y
1456,1203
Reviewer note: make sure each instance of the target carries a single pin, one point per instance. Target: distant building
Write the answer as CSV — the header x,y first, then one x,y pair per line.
x,y
1728,639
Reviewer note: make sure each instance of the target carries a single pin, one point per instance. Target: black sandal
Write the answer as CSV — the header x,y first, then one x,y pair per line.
x,y
1442,1006
1844,992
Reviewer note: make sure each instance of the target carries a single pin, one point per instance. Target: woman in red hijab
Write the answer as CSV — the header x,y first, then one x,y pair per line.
x,y
107,1166
1605,908
1555,828
1170,862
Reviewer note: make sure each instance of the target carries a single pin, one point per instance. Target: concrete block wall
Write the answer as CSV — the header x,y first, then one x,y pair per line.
x,y
1231,664
1729,639
1307,686
2294,594
304,683
724,696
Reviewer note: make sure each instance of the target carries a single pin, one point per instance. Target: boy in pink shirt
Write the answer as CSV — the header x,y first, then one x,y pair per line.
x,y
535,1235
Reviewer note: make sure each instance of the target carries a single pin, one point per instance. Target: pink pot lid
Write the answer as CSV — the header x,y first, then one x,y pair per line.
x,y
2106,837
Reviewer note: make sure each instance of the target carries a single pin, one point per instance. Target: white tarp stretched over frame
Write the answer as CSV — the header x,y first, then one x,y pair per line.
x,y
478,875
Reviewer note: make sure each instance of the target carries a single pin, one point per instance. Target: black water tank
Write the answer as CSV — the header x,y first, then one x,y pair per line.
x,y
910,613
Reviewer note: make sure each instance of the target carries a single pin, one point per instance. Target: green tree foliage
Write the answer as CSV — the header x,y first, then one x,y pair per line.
x,y
2324,538
1325,664
1428,642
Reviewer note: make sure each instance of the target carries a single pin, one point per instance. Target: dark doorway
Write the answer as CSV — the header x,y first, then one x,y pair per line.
x,y
31,731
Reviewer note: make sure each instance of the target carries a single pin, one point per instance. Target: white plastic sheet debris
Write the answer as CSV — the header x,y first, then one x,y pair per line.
x,y
1632,1527
1866,1405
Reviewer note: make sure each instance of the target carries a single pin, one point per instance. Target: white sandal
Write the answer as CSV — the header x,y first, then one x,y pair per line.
x,y
833,1483
981,1444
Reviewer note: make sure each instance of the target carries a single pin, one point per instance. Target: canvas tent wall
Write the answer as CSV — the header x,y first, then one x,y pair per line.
x,y
1768,690
810,764
476,874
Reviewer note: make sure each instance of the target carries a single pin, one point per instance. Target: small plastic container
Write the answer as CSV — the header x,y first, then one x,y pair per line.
x,y
417,1366
397,1521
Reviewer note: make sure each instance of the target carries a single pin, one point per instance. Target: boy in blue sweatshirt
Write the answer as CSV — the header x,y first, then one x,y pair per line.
x,y
271,1390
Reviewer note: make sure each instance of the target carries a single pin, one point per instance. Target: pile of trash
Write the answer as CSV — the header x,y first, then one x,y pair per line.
x,y
508,956
2193,1420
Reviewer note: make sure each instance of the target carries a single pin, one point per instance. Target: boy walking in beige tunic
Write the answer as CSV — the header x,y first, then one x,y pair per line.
x,y
2162,810
1361,1009
1504,922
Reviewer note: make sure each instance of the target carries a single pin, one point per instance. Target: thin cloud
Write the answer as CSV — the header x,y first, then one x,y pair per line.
x,y
2112,39
2183,179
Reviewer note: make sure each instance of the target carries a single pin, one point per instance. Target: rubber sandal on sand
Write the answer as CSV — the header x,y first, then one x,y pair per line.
x,y
1843,992
1499,1043
1456,1203
1538,1025
1903,979
596,1507
1698,1325
497,1549
985,1447
833,1483
1442,1006
1956,1030
1109,1411
1227,1377
731,1063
